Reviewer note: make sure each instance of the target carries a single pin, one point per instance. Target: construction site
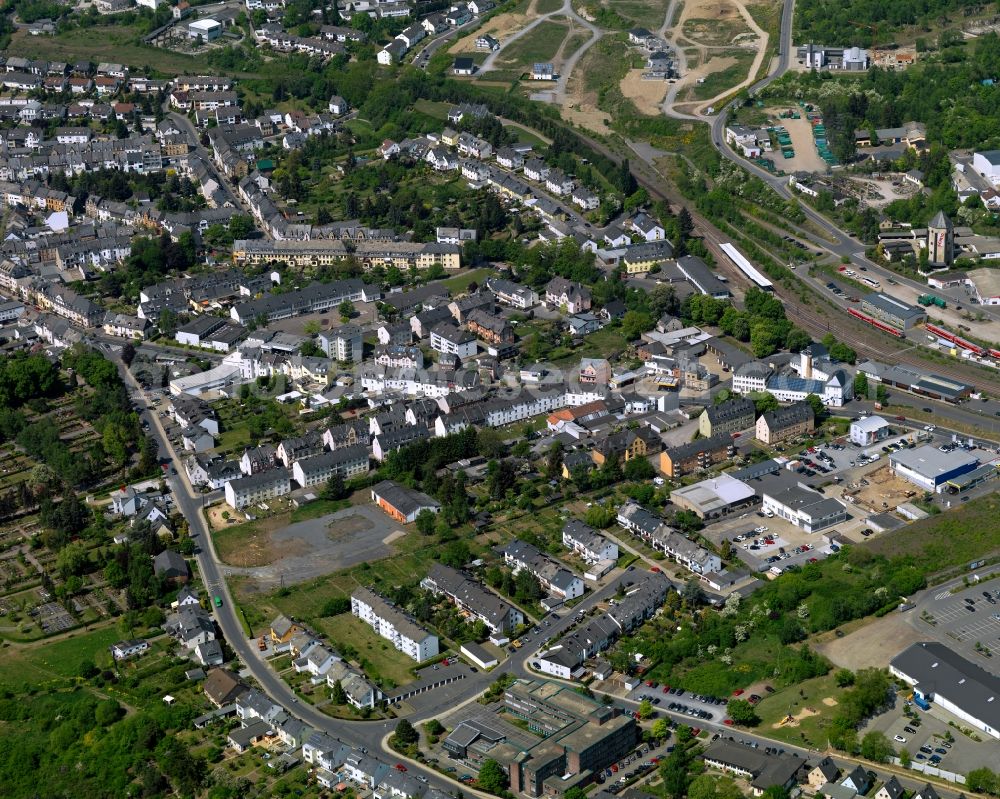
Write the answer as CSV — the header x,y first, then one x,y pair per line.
x,y
879,491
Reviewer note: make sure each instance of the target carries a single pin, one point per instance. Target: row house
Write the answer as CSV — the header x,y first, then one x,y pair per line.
x,y
490,328
258,487
348,434
651,528
559,183
124,326
473,598
347,462
551,574
67,303
588,543
293,449
392,624
337,33
473,146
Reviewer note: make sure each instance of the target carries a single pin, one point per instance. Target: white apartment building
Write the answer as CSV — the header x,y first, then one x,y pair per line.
x,y
348,462
258,487
393,625
344,344
451,340
588,543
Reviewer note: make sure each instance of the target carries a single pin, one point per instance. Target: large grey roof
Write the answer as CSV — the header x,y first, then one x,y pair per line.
x,y
938,671
929,461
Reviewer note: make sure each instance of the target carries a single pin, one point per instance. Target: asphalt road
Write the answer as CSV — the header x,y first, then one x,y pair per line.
x,y
420,59
372,735
367,734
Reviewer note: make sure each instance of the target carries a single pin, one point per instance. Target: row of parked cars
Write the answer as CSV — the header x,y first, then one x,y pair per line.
x,y
694,712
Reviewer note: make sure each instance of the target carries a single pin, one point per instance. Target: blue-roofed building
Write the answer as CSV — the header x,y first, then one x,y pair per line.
x,y
834,391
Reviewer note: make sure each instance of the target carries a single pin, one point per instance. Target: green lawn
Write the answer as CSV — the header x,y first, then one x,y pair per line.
x,y
459,283
40,663
527,136
378,657
409,562
249,544
119,43
548,6
950,539
642,12
232,440
320,507
717,82
432,108
601,344
800,700
539,44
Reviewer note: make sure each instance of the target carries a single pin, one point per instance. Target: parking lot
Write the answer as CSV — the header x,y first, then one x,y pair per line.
x,y
762,538
964,619
681,703
857,476
924,734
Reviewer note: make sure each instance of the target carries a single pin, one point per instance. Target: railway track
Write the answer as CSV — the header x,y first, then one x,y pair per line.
x,y
865,341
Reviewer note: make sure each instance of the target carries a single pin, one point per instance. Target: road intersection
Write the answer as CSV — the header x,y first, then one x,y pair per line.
x,y
373,735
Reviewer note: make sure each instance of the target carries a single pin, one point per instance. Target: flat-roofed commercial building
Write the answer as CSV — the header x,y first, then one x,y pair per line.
x,y
930,468
804,507
939,675
916,381
715,497
869,430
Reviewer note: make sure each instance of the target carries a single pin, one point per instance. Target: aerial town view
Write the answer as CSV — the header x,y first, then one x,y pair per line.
x,y
455,399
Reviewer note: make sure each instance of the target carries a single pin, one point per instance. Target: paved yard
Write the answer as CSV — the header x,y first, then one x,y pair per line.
x,y
958,624
964,754
865,646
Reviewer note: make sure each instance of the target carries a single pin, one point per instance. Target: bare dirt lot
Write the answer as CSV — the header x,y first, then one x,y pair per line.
x,y
805,713
499,27
865,646
272,550
885,491
646,94
878,193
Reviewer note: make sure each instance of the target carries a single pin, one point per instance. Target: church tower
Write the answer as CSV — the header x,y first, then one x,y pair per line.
x,y
940,241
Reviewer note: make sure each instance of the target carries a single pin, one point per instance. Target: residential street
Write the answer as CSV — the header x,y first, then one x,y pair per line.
x,y
371,735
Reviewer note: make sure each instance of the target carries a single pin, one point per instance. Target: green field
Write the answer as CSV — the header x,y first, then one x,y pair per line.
x,y
800,700
541,43
249,544
410,560
459,283
714,32
950,539
547,6
432,108
597,345
119,43
379,658
641,12
40,663
527,136
717,82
